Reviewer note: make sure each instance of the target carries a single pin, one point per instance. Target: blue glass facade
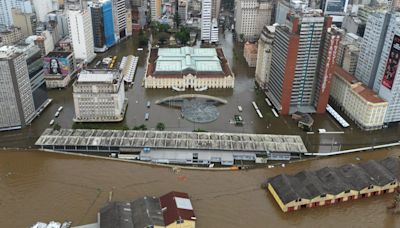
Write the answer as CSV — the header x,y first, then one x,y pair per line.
x,y
108,24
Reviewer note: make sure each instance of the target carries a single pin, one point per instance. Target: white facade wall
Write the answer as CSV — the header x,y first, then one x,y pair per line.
x,y
99,102
251,16
367,115
43,7
80,29
189,81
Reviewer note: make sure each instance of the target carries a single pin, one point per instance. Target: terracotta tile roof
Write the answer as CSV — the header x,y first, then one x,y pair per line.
x,y
368,94
171,212
345,75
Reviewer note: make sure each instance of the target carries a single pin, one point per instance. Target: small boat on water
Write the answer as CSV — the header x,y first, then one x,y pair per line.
x,y
146,116
178,89
57,114
60,108
201,89
148,104
240,108
51,122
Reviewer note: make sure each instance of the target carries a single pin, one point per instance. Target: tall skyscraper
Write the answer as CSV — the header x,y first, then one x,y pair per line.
x,y
81,32
251,16
43,7
103,26
387,79
7,5
264,55
119,13
155,9
303,56
17,107
371,47
206,20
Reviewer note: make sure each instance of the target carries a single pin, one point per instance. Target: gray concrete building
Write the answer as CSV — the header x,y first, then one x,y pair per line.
x,y
17,108
264,55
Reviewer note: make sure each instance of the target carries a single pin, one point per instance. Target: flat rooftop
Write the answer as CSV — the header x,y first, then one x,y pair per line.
x,y
58,54
173,140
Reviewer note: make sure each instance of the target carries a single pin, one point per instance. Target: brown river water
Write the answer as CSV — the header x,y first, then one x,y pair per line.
x,y
43,186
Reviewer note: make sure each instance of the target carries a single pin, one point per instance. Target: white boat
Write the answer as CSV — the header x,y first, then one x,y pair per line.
x,y
57,114
178,89
240,108
148,104
201,89
39,225
54,224
60,108
146,116
51,122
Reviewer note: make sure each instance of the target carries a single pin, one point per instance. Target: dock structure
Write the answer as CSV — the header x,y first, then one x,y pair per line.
x,y
174,147
128,67
329,185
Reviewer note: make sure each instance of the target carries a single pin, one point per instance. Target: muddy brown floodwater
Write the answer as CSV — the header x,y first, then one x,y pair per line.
x,y
42,186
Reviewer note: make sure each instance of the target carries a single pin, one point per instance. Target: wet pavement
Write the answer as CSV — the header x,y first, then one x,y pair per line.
x,y
40,186
243,94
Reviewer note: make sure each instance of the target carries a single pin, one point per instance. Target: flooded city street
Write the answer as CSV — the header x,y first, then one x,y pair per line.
x,y
243,94
42,186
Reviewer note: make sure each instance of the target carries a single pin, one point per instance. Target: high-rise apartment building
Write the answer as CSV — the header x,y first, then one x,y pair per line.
x,y
7,5
103,26
348,52
43,7
387,79
183,9
264,55
34,62
81,32
17,108
283,7
155,9
99,96
119,13
371,47
26,21
303,56
251,16
209,25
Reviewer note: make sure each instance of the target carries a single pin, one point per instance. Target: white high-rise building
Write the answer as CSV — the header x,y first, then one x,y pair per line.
x,y
209,25
17,107
6,12
387,79
371,47
206,20
251,16
119,14
43,7
81,32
